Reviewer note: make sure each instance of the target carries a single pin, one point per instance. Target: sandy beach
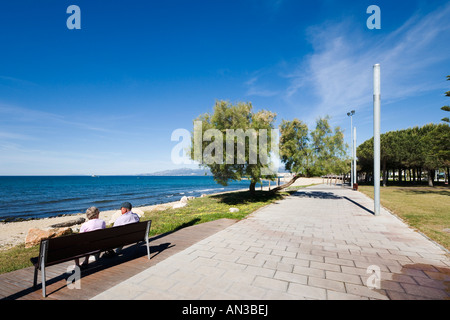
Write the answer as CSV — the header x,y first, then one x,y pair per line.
x,y
14,233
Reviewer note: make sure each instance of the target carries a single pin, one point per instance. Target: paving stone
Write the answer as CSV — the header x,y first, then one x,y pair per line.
x,y
343,277
270,283
325,266
334,295
419,290
307,291
309,271
326,284
291,277
366,292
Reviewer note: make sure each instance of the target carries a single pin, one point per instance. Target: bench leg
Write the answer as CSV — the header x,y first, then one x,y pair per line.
x,y
35,276
36,269
149,223
43,259
148,248
43,282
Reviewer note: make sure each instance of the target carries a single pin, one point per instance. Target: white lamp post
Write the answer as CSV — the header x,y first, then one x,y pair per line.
x,y
350,114
376,138
354,156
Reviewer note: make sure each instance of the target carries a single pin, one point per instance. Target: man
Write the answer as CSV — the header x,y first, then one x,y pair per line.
x,y
127,215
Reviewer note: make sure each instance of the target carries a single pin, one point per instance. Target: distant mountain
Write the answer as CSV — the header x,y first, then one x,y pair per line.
x,y
180,172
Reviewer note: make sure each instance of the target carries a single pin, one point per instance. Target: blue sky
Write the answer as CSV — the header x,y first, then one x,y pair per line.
x,y
105,99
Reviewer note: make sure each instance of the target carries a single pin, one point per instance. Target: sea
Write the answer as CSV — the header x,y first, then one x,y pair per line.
x,y
36,197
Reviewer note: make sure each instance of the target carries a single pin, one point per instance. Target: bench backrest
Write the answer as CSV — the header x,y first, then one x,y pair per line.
x,y
68,247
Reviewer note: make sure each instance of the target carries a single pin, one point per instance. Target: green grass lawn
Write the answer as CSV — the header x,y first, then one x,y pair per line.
x,y
199,210
425,208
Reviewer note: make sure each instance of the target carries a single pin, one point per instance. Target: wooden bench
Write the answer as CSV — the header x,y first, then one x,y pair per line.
x,y
57,250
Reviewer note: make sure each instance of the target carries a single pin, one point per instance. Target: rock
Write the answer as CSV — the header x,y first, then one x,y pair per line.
x,y
139,212
179,205
114,217
203,195
184,200
234,210
161,207
68,223
35,235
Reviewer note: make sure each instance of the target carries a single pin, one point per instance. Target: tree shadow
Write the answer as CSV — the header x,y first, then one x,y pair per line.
x,y
428,190
245,197
430,282
185,225
316,195
326,196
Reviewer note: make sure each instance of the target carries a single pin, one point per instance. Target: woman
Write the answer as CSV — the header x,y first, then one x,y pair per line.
x,y
93,223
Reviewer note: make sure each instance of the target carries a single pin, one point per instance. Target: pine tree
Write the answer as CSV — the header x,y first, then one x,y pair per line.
x,y
446,108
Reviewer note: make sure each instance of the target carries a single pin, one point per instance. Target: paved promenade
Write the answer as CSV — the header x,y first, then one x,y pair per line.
x,y
322,242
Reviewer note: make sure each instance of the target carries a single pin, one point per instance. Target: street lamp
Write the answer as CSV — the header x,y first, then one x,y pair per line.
x,y
350,114
376,138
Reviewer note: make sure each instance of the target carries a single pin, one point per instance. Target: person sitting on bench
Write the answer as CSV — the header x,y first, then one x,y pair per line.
x,y
93,223
127,215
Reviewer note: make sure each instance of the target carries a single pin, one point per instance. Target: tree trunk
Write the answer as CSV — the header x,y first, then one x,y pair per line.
x,y
448,175
430,177
284,186
384,173
252,187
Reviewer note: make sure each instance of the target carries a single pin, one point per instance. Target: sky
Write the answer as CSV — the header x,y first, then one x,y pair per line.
x,y
106,98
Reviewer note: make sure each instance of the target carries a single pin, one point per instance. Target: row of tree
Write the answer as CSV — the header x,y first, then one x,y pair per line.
x,y
220,144
408,153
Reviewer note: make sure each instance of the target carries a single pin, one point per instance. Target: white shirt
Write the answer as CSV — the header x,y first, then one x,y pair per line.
x,y
93,224
126,218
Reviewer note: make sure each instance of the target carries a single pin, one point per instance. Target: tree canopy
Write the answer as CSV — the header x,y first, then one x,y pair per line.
x,y
315,153
446,108
413,150
235,142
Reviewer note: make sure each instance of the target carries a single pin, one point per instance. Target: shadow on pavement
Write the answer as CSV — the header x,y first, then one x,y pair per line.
x,y
316,195
359,205
327,195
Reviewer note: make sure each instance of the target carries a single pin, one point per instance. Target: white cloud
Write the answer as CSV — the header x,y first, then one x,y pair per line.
x,y
339,71
20,115
256,88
